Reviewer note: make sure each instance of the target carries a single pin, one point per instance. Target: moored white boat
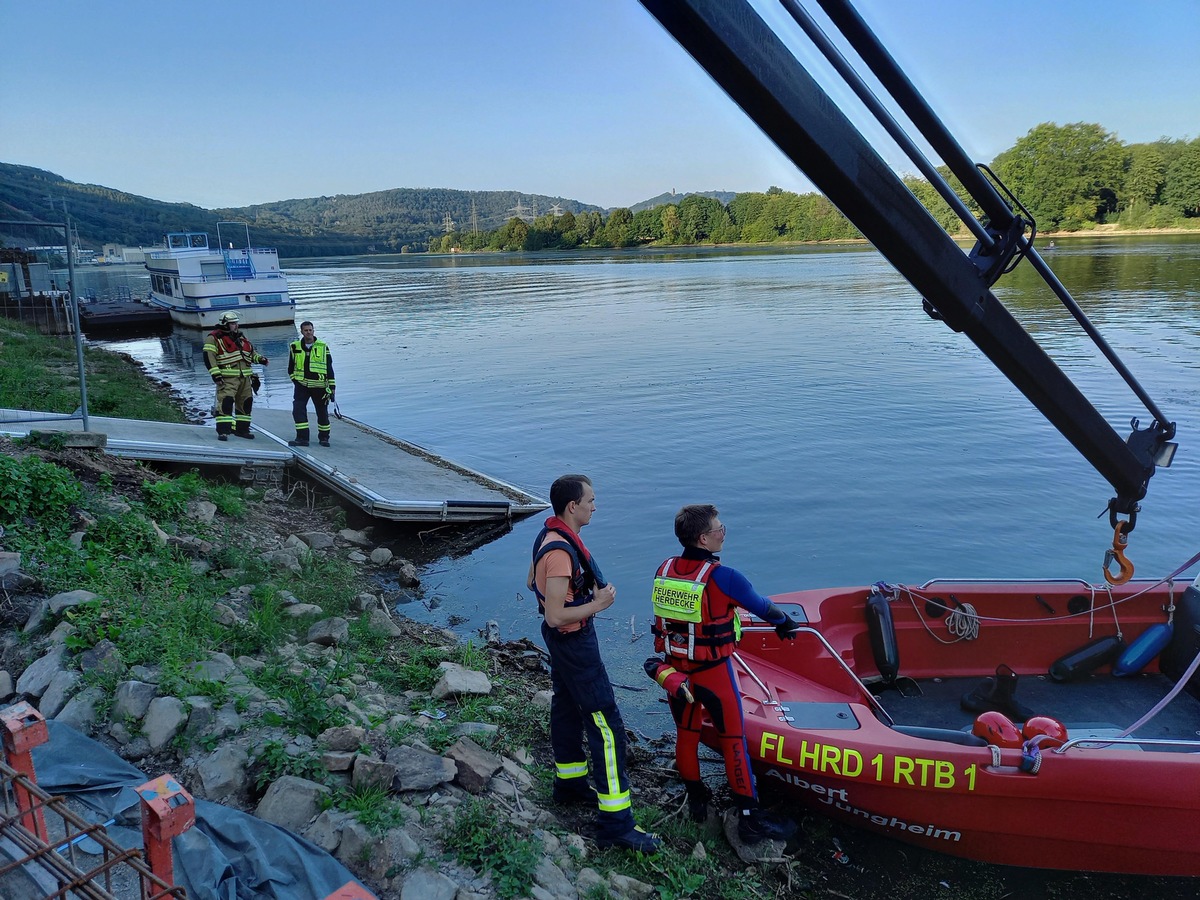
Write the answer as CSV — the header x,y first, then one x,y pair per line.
x,y
197,283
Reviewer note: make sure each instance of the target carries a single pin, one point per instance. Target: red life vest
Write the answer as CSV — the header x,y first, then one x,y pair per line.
x,y
712,638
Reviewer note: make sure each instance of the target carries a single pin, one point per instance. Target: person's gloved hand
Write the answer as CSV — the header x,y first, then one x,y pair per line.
x,y
217,379
674,682
788,627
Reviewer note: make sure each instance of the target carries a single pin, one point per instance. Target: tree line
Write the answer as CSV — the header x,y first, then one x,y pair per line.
x,y
1070,178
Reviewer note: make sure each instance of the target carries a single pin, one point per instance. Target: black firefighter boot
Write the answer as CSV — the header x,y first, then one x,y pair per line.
x,y
998,693
698,796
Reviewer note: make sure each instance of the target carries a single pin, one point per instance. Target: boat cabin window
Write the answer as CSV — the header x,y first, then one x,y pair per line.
x,y
187,241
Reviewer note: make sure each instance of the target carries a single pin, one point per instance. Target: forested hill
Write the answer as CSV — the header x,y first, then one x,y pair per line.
x,y
1070,177
388,221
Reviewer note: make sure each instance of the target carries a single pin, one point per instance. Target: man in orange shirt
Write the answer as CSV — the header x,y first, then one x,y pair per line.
x,y
571,590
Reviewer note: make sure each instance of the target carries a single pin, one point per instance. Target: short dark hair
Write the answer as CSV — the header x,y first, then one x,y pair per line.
x,y
567,489
693,521
302,324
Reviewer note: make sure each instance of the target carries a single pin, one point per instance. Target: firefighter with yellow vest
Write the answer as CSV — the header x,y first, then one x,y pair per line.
x,y
697,626
310,366
228,355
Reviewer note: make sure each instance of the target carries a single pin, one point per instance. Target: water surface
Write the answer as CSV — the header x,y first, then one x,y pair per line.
x,y
846,437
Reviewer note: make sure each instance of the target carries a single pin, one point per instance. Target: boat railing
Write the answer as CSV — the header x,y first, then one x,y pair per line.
x,y
1099,743
872,700
1079,581
202,279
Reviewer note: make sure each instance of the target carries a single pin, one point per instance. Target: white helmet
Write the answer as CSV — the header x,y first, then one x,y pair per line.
x,y
227,318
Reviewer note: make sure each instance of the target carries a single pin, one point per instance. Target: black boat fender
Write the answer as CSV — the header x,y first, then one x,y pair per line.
x,y
882,630
1088,658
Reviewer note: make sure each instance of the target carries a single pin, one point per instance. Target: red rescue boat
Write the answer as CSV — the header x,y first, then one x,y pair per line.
x,y
862,719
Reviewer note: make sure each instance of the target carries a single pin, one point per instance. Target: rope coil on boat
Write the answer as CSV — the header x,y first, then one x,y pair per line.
x,y
963,622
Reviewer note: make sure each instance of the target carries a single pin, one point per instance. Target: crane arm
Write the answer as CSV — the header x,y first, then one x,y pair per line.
x,y
748,60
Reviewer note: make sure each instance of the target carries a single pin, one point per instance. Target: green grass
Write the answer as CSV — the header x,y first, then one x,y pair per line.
x,y
39,372
480,839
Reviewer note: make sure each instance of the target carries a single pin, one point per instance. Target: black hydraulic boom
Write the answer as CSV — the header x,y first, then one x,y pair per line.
x,y
746,58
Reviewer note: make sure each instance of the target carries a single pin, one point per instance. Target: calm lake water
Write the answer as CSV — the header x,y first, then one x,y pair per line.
x,y
846,437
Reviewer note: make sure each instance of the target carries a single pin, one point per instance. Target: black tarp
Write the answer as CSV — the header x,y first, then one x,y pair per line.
x,y
226,855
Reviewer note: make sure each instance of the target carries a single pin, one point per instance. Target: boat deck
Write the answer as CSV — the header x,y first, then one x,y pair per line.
x,y
122,315
386,477
1100,704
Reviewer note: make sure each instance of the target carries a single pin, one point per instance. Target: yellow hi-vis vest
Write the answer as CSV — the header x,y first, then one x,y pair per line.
x,y
683,622
317,363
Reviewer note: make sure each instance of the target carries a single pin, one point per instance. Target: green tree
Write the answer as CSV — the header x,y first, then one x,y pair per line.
x,y
618,230
1147,172
670,224
1181,189
703,219
1066,175
648,225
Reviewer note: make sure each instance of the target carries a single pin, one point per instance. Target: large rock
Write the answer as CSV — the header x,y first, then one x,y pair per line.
x,y
343,737
329,632
132,700
428,884
218,667
82,710
36,679
317,540
165,717
201,511
458,681
61,688
370,772
419,770
326,831
223,773
475,765
68,599
291,802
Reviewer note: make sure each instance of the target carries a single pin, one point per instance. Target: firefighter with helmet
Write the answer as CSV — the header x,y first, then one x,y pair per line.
x,y
228,354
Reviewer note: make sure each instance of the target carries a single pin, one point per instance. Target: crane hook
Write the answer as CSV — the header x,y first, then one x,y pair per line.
x,y
1117,554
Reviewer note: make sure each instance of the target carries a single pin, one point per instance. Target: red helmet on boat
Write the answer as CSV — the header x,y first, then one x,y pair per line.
x,y
996,728
1054,732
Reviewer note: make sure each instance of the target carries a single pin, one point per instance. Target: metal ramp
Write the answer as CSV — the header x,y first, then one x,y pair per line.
x,y
394,479
384,476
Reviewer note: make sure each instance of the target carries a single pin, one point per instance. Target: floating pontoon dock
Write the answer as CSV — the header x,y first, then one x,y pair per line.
x,y
383,475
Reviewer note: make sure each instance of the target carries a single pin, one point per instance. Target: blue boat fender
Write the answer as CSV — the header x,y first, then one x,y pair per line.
x,y
1144,648
882,630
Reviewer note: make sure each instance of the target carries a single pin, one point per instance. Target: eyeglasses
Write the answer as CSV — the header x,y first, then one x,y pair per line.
x,y
720,531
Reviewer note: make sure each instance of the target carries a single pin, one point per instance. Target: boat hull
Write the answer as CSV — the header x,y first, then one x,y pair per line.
x,y
819,738
273,312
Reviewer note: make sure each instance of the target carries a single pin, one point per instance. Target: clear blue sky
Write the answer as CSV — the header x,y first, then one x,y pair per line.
x,y
223,103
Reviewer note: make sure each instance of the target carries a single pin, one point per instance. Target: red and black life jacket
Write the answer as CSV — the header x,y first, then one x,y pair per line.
x,y
585,574
685,626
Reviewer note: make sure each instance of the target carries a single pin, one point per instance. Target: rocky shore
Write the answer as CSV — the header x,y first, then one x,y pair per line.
x,y
314,731
245,642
